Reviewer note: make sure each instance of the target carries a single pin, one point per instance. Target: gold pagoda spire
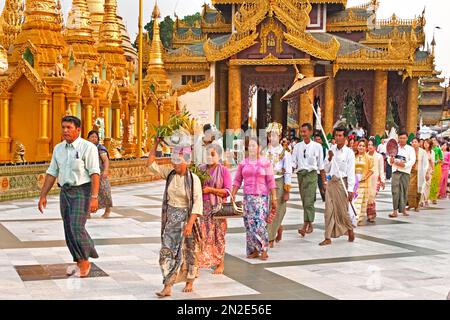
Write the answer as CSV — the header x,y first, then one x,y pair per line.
x,y
156,52
110,33
11,22
42,28
110,39
79,33
157,78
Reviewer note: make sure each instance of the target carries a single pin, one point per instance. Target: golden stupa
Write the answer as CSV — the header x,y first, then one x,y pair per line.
x,y
84,66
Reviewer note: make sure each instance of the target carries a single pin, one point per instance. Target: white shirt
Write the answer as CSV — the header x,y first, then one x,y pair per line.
x,y
308,157
342,165
382,148
378,167
73,164
410,154
273,154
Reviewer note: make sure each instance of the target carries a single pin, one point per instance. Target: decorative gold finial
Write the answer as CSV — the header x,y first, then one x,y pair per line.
x,y
110,34
157,46
156,13
11,22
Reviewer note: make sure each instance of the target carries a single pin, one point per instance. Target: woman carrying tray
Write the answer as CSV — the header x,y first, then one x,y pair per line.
x,y
215,191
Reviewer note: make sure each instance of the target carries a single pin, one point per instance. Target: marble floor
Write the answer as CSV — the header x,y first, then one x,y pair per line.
x,y
405,258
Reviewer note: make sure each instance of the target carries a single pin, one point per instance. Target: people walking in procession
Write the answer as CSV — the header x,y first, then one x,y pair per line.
x,y
364,171
259,184
340,165
307,160
445,171
281,160
377,180
104,195
180,228
75,164
417,177
402,165
215,191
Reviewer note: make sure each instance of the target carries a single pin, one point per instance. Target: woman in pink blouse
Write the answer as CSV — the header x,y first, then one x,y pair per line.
x,y
445,170
257,174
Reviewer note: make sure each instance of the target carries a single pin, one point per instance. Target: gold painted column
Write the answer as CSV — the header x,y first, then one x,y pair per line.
x,y
5,139
379,103
43,148
305,112
329,100
74,108
412,113
116,123
234,98
87,119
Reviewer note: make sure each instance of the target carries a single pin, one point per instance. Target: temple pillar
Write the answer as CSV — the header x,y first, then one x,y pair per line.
x,y
116,123
234,98
329,100
43,147
277,108
59,111
412,105
73,106
379,103
87,119
223,98
106,109
5,139
305,112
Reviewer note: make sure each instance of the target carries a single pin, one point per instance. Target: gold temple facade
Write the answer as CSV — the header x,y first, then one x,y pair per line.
x,y
243,49
86,67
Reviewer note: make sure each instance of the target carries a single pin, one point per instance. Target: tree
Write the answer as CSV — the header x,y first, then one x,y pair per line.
x,y
166,31
191,19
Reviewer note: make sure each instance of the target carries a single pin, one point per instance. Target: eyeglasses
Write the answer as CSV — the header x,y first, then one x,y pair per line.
x,y
304,153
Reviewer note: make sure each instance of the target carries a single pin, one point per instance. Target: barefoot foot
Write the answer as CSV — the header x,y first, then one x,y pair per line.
x,y
219,269
166,292
189,287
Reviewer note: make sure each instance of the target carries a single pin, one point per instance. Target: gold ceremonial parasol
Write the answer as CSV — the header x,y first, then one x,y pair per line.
x,y
303,84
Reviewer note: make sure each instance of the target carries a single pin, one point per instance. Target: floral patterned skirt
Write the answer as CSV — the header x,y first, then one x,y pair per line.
x,y
256,210
214,231
178,254
104,194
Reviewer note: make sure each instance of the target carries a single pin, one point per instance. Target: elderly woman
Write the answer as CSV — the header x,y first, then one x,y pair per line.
x,y
215,191
377,181
104,195
364,170
180,230
259,182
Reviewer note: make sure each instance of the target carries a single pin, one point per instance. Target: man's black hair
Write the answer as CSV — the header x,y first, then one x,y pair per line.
x,y
340,129
308,126
403,133
71,119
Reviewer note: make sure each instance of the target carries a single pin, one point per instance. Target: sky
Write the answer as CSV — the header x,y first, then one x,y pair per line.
x,y
437,15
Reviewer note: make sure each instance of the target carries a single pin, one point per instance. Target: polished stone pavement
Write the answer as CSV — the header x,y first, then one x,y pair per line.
x,y
405,258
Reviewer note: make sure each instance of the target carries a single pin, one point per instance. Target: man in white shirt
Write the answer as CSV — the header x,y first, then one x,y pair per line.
x,y
401,170
308,159
75,163
210,135
340,163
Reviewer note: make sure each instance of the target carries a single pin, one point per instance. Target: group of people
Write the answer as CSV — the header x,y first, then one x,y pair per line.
x,y
192,237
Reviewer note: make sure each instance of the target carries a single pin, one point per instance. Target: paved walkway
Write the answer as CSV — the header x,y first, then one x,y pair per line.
x,y
406,258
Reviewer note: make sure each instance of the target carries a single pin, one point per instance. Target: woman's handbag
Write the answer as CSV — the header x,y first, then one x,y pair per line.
x,y
232,209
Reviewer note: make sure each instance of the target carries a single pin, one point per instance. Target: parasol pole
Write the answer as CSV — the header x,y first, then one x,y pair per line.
x,y
329,148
